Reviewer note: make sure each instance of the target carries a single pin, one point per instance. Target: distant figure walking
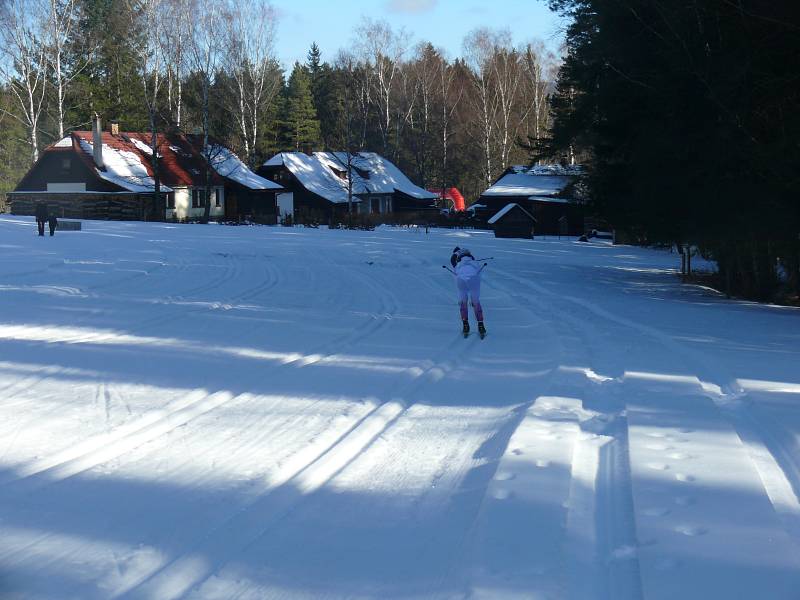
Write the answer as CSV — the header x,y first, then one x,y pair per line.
x,y
42,216
53,222
468,281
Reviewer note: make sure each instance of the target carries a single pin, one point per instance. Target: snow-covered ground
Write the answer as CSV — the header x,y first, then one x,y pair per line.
x,y
253,412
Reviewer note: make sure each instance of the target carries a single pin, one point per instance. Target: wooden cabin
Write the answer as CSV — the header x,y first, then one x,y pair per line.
x,y
512,221
109,175
319,183
545,192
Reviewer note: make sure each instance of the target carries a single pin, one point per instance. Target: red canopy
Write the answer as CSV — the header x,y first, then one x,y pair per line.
x,y
453,195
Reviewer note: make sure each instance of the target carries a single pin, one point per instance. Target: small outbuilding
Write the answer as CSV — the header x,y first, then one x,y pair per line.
x,y
547,192
513,221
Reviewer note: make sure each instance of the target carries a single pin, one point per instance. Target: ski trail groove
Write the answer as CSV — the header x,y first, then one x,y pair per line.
x,y
306,473
102,448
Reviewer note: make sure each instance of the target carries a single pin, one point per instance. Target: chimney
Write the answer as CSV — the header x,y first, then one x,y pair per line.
x,y
308,149
97,142
114,126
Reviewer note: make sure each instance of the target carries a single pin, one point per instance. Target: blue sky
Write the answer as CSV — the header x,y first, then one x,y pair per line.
x,y
443,22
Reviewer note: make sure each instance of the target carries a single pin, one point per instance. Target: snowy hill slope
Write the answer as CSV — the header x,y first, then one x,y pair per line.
x,y
233,412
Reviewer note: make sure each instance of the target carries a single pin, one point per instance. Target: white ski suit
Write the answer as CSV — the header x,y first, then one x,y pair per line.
x,y
468,281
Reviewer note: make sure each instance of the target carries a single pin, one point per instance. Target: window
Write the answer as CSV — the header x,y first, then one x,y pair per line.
x,y
217,195
198,198
171,200
66,164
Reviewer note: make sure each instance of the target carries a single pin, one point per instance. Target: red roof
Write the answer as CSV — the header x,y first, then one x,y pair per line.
x,y
181,164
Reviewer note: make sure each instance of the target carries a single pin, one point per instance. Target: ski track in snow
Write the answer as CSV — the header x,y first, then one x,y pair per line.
x,y
213,412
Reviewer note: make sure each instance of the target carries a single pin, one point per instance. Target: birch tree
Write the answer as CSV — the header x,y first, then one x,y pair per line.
x,y
538,67
383,49
206,53
250,61
23,63
507,88
478,50
175,38
150,55
61,23
357,88
449,97
423,73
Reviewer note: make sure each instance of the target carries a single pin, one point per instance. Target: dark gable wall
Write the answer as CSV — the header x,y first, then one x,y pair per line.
x,y
306,204
62,166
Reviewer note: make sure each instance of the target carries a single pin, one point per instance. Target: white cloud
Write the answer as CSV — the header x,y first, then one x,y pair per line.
x,y
411,6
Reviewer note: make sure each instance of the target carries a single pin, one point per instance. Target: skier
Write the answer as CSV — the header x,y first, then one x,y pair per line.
x,y
52,221
41,216
468,281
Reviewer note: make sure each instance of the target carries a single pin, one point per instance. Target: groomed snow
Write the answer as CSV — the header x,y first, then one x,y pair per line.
x,y
215,412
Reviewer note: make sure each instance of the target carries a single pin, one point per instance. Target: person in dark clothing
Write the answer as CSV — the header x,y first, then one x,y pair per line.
x,y
53,222
41,216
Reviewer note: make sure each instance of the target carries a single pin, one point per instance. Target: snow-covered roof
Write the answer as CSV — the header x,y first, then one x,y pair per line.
x,y
551,199
227,164
503,211
123,168
126,159
325,174
556,170
143,147
528,184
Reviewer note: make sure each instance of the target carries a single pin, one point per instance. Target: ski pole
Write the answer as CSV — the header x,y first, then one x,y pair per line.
x,y
480,259
449,269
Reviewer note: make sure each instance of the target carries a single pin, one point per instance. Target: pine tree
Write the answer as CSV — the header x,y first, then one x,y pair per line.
x,y
109,85
313,62
301,124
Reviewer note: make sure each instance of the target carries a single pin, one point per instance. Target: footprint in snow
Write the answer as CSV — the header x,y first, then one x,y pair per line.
x,y
691,530
679,456
684,477
656,511
685,501
658,447
624,552
666,564
542,463
658,466
516,452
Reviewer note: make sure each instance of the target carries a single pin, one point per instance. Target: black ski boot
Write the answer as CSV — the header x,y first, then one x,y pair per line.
x,y
465,329
481,329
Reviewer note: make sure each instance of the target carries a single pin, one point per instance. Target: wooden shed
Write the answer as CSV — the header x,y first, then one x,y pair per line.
x,y
512,221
